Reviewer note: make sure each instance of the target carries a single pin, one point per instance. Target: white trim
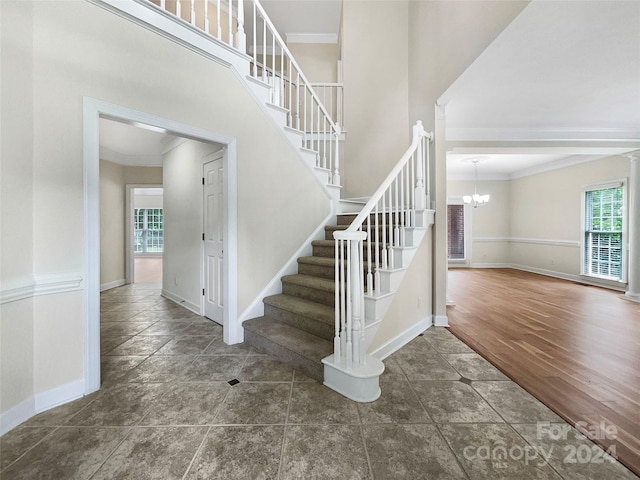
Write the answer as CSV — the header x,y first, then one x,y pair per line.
x,y
311,38
92,111
274,287
110,285
440,321
624,267
167,25
174,297
608,135
39,403
585,280
17,414
536,241
490,265
59,395
399,341
50,284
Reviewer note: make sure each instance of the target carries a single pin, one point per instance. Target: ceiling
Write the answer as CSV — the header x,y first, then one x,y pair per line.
x,y
560,85
134,145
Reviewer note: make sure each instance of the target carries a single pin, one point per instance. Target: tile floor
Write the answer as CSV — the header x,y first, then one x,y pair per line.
x,y
166,410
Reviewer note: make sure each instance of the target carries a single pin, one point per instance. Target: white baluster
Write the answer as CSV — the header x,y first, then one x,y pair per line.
x,y
273,68
396,205
376,275
419,194
343,299
427,166
255,41
241,36
369,260
349,318
290,117
230,22
324,147
385,256
206,16
264,50
192,17
336,157
163,4
338,283
402,210
219,23
178,8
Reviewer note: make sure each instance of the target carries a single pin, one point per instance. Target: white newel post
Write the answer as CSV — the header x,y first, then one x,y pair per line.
x,y
419,198
241,36
336,164
633,287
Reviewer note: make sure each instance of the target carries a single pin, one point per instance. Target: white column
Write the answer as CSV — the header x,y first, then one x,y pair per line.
x,y
633,287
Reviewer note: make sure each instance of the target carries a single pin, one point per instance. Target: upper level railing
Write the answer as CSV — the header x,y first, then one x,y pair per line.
x,y
245,26
382,223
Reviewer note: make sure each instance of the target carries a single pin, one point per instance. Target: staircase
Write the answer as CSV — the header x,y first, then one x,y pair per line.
x,y
327,315
298,325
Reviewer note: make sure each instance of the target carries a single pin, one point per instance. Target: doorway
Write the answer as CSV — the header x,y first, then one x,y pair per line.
x,y
213,209
94,110
145,233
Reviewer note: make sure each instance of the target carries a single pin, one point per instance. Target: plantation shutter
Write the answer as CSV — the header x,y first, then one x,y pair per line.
x,y
455,229
603,232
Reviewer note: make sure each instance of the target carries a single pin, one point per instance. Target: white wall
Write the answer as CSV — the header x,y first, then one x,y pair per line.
x,y
112,224
546,208
489,225
53,55
535,222
113,181
183,217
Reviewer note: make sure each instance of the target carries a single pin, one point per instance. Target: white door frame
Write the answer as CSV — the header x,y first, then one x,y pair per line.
x,y
93,109
129,257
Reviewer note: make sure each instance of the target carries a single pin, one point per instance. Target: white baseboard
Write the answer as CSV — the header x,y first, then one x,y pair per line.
x,y
181,301
59,395
17,414
110,285
440,321
490,265
401,340
39,403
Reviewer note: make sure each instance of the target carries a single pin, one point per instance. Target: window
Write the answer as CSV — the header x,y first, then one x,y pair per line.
x,y
455,232
148,231
603,232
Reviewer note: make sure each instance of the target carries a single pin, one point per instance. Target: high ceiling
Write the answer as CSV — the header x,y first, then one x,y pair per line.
x,y
560,85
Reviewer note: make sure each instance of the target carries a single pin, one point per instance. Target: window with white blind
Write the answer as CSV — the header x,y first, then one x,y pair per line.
x,y
455,232
604,226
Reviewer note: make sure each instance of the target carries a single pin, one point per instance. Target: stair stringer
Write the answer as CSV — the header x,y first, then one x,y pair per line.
x,y
261,92
361,383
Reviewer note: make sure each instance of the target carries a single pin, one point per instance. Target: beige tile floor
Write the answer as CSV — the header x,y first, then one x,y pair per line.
x,y
166,410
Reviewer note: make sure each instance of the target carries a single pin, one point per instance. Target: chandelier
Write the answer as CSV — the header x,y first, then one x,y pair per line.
x,y
475,199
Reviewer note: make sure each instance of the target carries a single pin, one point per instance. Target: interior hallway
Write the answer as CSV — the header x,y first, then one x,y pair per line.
x,y
177,403
574,347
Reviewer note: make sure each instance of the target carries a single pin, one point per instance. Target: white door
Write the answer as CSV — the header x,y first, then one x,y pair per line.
x,y
214,240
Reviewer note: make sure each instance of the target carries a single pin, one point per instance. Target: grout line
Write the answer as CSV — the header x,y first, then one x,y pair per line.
x,y
197,452
464,470
286,423
126,435
364,442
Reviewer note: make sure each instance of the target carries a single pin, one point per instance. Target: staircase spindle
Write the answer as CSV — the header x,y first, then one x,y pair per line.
x,y
206,16
349,275
376,245
274,69
336,157
241,37
298,100
230,26
264,50
337,352
178,9
385,258
218,21
192,16
369,273
255,41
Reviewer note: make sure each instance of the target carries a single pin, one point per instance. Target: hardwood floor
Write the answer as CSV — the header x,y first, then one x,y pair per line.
x,y
148,270
576,348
